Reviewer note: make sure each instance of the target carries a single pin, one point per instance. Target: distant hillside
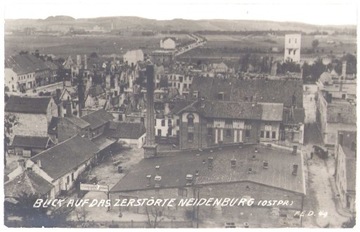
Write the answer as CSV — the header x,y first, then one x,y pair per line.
x,y
63,23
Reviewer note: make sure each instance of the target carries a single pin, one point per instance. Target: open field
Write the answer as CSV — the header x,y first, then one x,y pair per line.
x,y
64,46
234,45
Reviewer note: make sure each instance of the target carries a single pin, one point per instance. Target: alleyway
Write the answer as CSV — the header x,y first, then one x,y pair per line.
x,y
321,196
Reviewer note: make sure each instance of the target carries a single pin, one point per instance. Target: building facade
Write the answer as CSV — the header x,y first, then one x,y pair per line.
x,y
292,47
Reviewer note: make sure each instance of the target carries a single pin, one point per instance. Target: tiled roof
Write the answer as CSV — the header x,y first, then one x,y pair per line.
x,y
227,109
28,182
25,63
97,118
341,113
103,142
272,111
274,91
24,104
125,130
173,169
30,141
176,107
79,122
66,156
236,110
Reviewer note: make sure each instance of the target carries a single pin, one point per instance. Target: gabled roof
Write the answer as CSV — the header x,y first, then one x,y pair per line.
x,y
233,110
28,182
79,122
25,63
97,118
30,141
257,90
66,156
24,104
125,130
236,110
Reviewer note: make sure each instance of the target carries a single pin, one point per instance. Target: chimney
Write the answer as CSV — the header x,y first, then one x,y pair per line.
x,y
233,162
210,162
81,94
189,179
85,62
150,147
265,164
295,168
78,60
343,69
294,151
157,181
256,150
148,177
38,162
197,173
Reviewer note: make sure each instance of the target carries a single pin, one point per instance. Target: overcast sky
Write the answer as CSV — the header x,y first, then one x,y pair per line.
x,y
323,12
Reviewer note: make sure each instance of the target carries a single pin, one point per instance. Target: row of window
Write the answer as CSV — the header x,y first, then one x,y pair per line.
x,y
169,122
23,77
266,134
228,133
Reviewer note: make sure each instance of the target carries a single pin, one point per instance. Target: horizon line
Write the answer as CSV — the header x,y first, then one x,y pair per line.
x,y
177,18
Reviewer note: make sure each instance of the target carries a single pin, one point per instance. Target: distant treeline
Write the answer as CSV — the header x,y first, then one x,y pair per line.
x,y
263,32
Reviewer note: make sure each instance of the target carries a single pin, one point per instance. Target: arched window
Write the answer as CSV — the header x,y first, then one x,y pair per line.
x,y
190,119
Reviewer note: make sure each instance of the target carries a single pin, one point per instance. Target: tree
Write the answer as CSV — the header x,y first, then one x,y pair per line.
x,y
315,44
32,216
94,55
153,213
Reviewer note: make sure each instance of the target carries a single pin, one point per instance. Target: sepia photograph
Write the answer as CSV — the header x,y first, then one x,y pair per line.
x,y
179,114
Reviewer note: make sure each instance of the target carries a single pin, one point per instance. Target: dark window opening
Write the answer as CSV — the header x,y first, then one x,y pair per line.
x,y
210,131
190,137
190,119
228,133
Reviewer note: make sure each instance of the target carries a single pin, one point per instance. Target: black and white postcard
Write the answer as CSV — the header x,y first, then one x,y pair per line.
x,y
179,114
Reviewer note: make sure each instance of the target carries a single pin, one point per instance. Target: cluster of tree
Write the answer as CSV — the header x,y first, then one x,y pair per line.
x,y
288,66
312,72
255,63
32,216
